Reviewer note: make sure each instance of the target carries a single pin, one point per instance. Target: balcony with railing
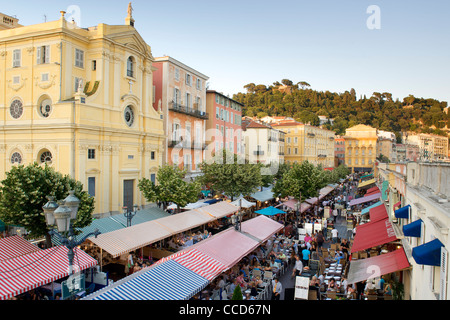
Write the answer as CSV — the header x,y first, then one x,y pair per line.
x,y
176,107
186,144
258,153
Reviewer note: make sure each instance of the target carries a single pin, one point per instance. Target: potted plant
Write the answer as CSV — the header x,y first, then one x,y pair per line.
x,y
398,290
237,294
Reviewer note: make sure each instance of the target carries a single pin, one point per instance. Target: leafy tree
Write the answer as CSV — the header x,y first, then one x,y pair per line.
x,y
287,82
303,84
26,190
380,110
302,178
170,187
230,175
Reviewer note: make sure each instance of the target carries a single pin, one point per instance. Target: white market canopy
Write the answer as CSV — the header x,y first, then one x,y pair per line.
x,y
128,239
244,204
263,196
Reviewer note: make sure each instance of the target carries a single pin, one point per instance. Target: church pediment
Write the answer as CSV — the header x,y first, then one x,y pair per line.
x,y
132,40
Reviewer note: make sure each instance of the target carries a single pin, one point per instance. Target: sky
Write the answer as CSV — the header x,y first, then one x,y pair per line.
x,y
403,47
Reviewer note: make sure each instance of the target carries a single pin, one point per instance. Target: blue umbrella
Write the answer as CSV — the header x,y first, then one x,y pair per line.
x,y
270,211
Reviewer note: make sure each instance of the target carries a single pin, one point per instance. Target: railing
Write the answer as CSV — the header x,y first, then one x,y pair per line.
x,y
258,153
186,144
189,111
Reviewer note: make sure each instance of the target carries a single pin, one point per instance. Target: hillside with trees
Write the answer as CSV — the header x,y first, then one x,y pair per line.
x,y
380,110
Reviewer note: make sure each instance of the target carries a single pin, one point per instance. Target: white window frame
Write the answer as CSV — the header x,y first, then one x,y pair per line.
x,y
44,76
188,79
79,58
43,54
17,58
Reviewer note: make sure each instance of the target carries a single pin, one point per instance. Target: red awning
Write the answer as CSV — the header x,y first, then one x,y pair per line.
x,y
39,268
228,247
378,213
369,268
373,189
15,246
398,204
290,204
261,227
373,234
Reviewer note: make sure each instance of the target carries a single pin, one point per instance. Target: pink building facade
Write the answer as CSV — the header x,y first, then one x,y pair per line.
x,y
223,128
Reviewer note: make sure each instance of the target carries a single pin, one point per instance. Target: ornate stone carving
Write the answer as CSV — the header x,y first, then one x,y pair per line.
x,y
45,84
16,87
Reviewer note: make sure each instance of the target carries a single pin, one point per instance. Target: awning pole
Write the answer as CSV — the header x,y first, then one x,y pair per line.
x,y
101,259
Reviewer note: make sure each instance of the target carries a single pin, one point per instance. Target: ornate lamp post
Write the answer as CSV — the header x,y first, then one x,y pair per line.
x,y
61,215
129,214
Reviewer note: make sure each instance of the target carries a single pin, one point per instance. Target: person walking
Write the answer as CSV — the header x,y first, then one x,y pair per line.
x,y
334,235
306,254
298,267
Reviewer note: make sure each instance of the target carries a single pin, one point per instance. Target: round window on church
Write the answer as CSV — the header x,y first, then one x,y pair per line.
x,y
16,158
46,157
16,109
45,108
129,116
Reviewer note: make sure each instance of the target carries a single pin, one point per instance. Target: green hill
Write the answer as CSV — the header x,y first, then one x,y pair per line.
x,y
380,111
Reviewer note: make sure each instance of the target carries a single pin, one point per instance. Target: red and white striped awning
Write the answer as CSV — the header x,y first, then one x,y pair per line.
x,y
24,273
201,264
15,246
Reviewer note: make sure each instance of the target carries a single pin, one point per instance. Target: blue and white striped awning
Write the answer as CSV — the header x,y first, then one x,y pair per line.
x,y
166,281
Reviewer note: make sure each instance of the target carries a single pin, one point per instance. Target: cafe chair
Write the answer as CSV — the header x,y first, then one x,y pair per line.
x,y
268,276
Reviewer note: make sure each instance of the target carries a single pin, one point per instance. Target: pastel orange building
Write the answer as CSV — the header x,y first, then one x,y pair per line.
x,y
223,128
180,91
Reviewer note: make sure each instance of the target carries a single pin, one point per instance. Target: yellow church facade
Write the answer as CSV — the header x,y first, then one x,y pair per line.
x,y
81,100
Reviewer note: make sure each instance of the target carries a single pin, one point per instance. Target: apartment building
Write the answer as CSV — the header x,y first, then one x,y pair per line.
x,y
181,93
307,143
431,147
360,148
223,128
263,143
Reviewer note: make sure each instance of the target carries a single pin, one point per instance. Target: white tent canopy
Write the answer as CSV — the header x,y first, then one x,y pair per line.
x,y
190,206
244,203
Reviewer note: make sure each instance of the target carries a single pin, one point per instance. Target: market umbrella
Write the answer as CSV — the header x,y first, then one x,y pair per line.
x,y
270,211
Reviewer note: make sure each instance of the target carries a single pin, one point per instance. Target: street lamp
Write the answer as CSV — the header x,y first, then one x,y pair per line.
x,y
61,215
129,214
236,219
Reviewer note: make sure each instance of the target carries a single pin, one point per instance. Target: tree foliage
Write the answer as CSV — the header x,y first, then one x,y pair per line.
x,y
26,190
230,175
304,178
170,187
380,110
